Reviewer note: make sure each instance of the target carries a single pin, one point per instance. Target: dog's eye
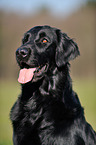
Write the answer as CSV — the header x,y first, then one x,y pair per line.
x,y
44,40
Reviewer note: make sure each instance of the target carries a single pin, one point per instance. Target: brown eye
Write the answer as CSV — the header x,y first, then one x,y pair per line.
x,y
44,40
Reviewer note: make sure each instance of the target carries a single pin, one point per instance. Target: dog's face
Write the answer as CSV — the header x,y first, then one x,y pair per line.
x,y
41,47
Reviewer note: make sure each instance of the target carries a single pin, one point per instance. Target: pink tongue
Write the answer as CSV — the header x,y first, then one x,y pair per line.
x,y
26,75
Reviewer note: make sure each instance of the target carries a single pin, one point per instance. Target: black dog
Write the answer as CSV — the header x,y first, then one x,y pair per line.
x,y
48,111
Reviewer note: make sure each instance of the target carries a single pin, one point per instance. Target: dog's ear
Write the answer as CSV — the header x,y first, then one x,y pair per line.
x,y
66,49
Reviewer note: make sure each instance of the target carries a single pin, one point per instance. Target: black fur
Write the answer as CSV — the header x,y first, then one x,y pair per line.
x,y
48,111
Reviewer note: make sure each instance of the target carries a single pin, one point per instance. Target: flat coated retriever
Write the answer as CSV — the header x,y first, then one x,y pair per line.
x,y
48,111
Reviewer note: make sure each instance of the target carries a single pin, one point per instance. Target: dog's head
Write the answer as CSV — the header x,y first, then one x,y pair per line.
x,y
41,47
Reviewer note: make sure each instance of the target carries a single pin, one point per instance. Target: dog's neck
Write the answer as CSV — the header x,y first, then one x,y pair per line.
x,y
57,83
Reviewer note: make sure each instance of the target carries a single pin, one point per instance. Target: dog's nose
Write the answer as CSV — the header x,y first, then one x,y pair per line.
x,y
23,52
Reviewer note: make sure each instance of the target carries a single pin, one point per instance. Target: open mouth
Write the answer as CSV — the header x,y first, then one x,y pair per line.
x,y
28,73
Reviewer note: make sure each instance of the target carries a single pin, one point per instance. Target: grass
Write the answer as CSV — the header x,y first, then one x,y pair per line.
x,y
86,90
8,94
10,90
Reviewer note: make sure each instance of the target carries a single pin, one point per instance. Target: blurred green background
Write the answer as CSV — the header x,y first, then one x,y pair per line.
x,y
79,24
